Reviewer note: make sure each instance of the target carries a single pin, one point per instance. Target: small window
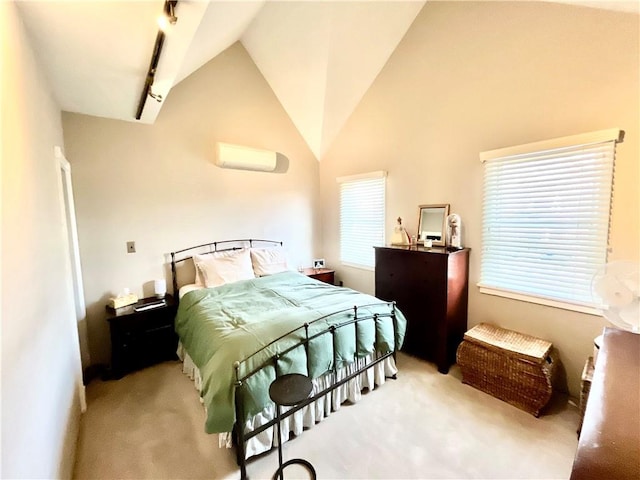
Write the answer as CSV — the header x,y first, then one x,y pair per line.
x,y
546,212
362,206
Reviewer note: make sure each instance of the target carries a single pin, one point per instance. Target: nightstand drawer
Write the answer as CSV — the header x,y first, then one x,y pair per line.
x,y
143,321
323,274
326,277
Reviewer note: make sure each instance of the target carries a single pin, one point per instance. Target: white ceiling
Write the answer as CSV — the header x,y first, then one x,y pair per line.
x,y
319,57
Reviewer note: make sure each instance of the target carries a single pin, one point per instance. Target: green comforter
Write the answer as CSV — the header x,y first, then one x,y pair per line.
x,y
219,326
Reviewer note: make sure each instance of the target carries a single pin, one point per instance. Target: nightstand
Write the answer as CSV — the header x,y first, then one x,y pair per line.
x,y
325,275
141,337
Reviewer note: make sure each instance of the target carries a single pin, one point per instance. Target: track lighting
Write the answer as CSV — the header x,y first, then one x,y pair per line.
x,y
169,16
156,97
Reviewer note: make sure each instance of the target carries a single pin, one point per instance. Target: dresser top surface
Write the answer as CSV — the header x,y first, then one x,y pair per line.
x,y
420,248
608,445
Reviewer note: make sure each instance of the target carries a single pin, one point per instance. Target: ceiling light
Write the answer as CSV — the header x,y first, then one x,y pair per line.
x,y
171,13
163,22
156,96
169,16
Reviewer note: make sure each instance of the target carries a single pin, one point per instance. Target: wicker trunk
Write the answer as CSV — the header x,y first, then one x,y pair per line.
x,y
585,384
511,366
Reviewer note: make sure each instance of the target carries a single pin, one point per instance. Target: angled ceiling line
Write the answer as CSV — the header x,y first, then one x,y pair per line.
x,y
80,54
318,150
169,11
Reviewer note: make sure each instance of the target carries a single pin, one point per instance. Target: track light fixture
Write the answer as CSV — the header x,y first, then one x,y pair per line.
x,y
170,15
156,97
170,11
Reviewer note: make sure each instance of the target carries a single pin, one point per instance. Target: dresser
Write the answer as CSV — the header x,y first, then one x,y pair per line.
x,y
430,286
609,445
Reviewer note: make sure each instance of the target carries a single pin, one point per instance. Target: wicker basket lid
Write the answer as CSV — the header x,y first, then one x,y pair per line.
x,y
509,342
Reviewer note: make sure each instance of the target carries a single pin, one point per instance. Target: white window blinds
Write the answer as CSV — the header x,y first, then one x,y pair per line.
x,y
362,207
546,211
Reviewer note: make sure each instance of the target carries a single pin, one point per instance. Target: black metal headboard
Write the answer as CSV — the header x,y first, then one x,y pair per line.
x,y
207,248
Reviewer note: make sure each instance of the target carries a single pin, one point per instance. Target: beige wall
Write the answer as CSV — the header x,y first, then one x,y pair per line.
x,y
40,356
157,185
470,77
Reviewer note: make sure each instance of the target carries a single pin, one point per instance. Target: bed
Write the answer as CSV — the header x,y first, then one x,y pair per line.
x,y
244,318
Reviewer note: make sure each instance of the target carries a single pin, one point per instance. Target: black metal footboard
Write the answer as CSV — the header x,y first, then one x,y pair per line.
x,y
359,317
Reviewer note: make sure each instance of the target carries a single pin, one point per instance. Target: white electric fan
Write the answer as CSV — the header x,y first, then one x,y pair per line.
x,y
616,286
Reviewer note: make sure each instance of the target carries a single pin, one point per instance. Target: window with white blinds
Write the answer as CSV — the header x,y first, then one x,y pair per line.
x,y
546,210
362,206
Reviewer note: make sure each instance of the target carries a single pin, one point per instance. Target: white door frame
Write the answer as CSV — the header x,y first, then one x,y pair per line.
x,y
71,236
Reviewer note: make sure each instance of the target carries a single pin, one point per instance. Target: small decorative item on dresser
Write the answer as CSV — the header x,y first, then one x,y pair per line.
x,y
400,235
454,231
318,263
511,366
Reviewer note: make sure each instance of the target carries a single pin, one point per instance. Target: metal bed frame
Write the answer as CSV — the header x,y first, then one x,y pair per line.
x,y
239,435
212,248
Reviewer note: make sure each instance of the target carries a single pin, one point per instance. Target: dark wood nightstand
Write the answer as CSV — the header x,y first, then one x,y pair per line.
x,y
325,275
141,337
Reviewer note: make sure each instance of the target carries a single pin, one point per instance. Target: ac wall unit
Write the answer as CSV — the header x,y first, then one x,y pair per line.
x,y
244,158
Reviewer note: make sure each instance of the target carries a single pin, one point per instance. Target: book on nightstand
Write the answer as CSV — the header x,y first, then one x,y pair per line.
x,y
140,306
149,303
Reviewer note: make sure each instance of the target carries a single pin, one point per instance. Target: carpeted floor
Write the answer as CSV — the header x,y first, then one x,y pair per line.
x,y
149,425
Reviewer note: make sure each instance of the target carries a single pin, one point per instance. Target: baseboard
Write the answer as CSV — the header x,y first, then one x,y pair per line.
x,y
98,370
83,398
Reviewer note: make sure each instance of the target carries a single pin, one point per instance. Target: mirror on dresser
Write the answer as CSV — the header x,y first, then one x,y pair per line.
x,y
431,224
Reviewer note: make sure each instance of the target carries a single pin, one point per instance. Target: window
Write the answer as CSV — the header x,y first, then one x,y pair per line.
x,y
545,218
362,203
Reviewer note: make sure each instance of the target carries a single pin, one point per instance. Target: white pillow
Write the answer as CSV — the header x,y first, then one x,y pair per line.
x,y
202,258
267,261
199,280
219,268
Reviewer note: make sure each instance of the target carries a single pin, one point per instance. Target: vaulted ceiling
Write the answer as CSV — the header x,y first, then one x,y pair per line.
x,y
319,57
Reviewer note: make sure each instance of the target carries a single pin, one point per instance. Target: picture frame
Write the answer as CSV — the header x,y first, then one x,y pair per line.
x,y
318,263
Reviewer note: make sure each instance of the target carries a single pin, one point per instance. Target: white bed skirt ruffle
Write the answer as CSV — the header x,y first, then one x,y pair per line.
x,y
309,415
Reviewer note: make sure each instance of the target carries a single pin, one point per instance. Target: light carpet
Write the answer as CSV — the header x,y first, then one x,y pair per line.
x,y
150,425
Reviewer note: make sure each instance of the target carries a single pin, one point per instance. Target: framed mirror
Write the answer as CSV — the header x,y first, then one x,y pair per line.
x,y
431,223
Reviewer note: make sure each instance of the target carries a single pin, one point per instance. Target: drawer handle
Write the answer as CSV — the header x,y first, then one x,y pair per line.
x,y
164,327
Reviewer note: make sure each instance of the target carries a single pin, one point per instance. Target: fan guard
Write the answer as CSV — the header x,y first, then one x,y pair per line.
x,y
616,287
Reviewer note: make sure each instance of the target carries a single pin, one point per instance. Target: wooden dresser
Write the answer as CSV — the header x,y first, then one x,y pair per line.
x,y
609,445
430,286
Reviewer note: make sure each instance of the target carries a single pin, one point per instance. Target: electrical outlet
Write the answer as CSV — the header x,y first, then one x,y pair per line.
x,y
131,247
